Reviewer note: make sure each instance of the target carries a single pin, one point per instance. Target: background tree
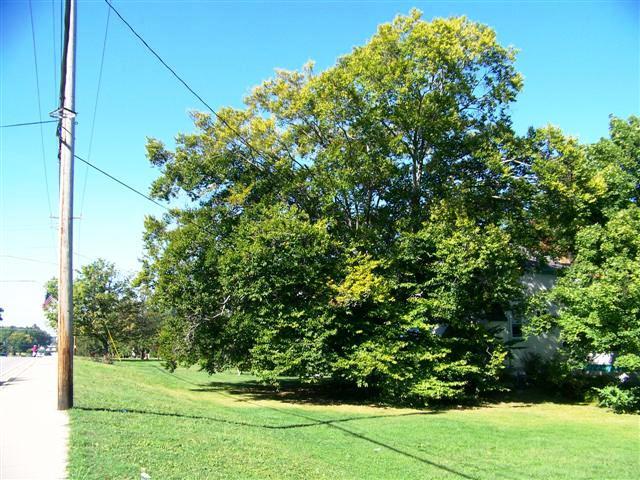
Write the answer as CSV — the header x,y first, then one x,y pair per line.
x,y
15,340
19,342
599,295
597,299
108,313
140,336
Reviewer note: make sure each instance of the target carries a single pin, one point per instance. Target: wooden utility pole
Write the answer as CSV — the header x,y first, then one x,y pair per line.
x,y
65,280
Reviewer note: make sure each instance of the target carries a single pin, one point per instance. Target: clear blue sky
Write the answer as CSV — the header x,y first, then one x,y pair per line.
x,y
580,61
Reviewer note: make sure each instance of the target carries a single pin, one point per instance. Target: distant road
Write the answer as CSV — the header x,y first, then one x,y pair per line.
x,y
11,366
14,366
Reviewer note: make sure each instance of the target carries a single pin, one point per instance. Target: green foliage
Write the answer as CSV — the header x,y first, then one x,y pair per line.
x,y
597,307
471,272
596,302
361,284
295,258
620,399
455,276
567,187
575,186
598,297
342,220
275,275
16,340
542,372
110,316
629,362
559,377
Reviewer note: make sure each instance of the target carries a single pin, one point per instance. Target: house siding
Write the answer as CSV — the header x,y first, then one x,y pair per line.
x,y
546,344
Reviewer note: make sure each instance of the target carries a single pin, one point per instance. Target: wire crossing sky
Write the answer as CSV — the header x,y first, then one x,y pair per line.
x,y
580,62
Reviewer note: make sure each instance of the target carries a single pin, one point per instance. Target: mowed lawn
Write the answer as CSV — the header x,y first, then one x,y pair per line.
x,y
190,425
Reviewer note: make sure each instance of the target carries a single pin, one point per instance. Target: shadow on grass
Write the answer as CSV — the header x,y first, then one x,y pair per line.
x,y
311,422
524,398
289,390
292,391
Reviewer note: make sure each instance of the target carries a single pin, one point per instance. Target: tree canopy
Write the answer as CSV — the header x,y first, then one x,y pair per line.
x,y
365,223
598,296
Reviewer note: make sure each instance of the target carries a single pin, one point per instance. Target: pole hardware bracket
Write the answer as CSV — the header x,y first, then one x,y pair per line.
x,y
63,112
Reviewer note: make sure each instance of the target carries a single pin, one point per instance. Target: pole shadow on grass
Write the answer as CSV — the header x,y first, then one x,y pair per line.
x,y
312,423
257,391
260,391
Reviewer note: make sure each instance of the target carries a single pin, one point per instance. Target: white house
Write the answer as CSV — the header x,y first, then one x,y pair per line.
x,y
510,330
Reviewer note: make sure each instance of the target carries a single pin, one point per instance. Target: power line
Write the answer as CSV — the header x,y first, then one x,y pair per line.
x,y
138,192
93,123
35,62
27,259
53,46
28,228
95,110
28,123
195,94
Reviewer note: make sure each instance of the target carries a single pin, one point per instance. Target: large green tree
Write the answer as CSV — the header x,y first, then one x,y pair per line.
x,y
330,217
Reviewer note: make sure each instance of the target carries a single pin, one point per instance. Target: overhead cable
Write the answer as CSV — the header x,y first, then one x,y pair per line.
x,y
195,94
95,110
134,190
26,259
35,62
28,123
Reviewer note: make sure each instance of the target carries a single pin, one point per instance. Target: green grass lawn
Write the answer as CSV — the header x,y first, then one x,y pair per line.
x,y
189,425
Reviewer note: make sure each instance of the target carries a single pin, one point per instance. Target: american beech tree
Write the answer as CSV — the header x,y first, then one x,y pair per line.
x,y
362,224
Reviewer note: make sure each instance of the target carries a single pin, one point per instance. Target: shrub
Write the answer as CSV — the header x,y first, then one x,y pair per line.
x,y
620,399
543,372
557,375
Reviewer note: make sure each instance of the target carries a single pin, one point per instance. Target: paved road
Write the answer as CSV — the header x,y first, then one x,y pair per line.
x,y
33,434
11,365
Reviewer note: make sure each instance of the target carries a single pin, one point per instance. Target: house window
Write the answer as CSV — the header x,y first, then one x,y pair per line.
x,y
516,328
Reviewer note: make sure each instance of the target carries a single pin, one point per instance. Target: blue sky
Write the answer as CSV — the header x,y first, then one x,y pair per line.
x,y
580,61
